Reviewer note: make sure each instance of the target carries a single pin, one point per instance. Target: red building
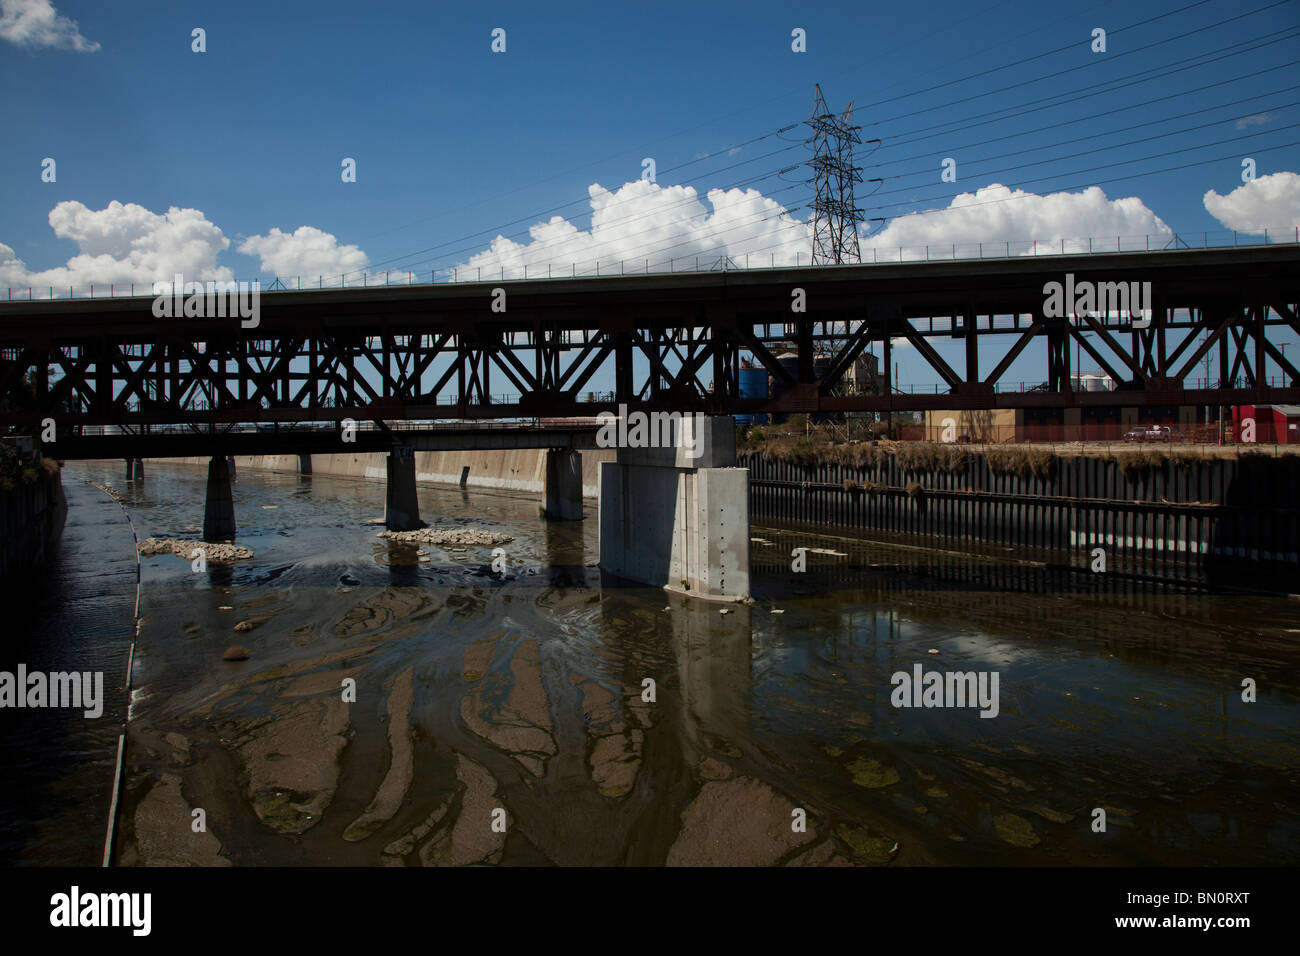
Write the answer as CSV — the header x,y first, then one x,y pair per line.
x,y
1273,423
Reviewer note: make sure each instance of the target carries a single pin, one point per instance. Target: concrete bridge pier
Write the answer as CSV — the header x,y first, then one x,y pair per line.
x,y
219,510
401,504
673,520
130,469
562,485
304,464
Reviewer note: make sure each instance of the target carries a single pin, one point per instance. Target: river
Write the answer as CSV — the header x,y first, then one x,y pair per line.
x,y
504,717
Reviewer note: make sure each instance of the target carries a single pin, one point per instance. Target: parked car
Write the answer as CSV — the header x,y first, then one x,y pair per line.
x,y
1149,433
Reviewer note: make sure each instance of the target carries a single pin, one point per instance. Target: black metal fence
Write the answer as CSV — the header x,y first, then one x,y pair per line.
x,y
1157,517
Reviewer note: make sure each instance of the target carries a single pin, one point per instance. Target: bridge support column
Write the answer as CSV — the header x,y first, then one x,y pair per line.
x,y
130,469
219,510
562,485
402,505
678,521
304,464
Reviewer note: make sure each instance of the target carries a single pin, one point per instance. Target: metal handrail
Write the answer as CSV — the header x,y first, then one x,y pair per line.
x,y
874,255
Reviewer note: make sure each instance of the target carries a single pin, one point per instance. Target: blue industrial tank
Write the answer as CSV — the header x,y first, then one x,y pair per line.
x,y
752,383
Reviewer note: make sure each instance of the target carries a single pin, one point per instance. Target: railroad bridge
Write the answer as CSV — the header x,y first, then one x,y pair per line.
x,y
114,379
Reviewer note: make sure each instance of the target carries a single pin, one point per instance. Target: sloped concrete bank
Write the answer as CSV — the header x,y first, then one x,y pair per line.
x,y
509,470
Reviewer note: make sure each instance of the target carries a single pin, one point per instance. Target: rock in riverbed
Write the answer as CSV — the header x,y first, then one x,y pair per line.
x,y
215,552
449,536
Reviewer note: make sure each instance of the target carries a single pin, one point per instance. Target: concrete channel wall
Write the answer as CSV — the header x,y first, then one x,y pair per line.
x,y
31,522
521,470
1191,513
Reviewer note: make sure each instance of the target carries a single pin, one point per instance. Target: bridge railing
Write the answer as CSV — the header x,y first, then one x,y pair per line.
x,y
721,260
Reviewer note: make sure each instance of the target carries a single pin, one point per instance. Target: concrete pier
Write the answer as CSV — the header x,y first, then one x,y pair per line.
x,y
130,469
304,464
562,485
401,503
680,522
219,510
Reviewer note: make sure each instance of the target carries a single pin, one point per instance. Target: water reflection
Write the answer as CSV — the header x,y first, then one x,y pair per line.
x,y
526,689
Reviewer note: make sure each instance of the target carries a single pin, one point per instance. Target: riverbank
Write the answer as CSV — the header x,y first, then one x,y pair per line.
x,y
517,470
33,512
1145,513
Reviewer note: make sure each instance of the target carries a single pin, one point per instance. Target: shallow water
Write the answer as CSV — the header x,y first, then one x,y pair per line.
x,y
77,614
522,692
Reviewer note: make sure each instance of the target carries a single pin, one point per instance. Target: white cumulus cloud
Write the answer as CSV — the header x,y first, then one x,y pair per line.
x,y
307,252
644,221
36,24
667,225
123,244
1269,202
997,215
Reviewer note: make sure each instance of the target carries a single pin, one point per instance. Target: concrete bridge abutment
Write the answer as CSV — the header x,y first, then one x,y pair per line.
x,y
219,509
677,521
562,485
401,502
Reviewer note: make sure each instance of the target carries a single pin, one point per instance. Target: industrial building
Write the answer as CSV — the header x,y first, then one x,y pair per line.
x,y
860,378
1094,423
1273,423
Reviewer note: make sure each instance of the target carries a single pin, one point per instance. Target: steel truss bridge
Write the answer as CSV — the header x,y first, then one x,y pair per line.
x,y
534,348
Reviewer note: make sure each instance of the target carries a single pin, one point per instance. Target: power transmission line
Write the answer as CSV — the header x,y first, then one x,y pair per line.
x,y
1096,90
1126,162
1057,159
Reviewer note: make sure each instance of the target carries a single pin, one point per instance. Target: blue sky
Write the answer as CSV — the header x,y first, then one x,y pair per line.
x,y
455,144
